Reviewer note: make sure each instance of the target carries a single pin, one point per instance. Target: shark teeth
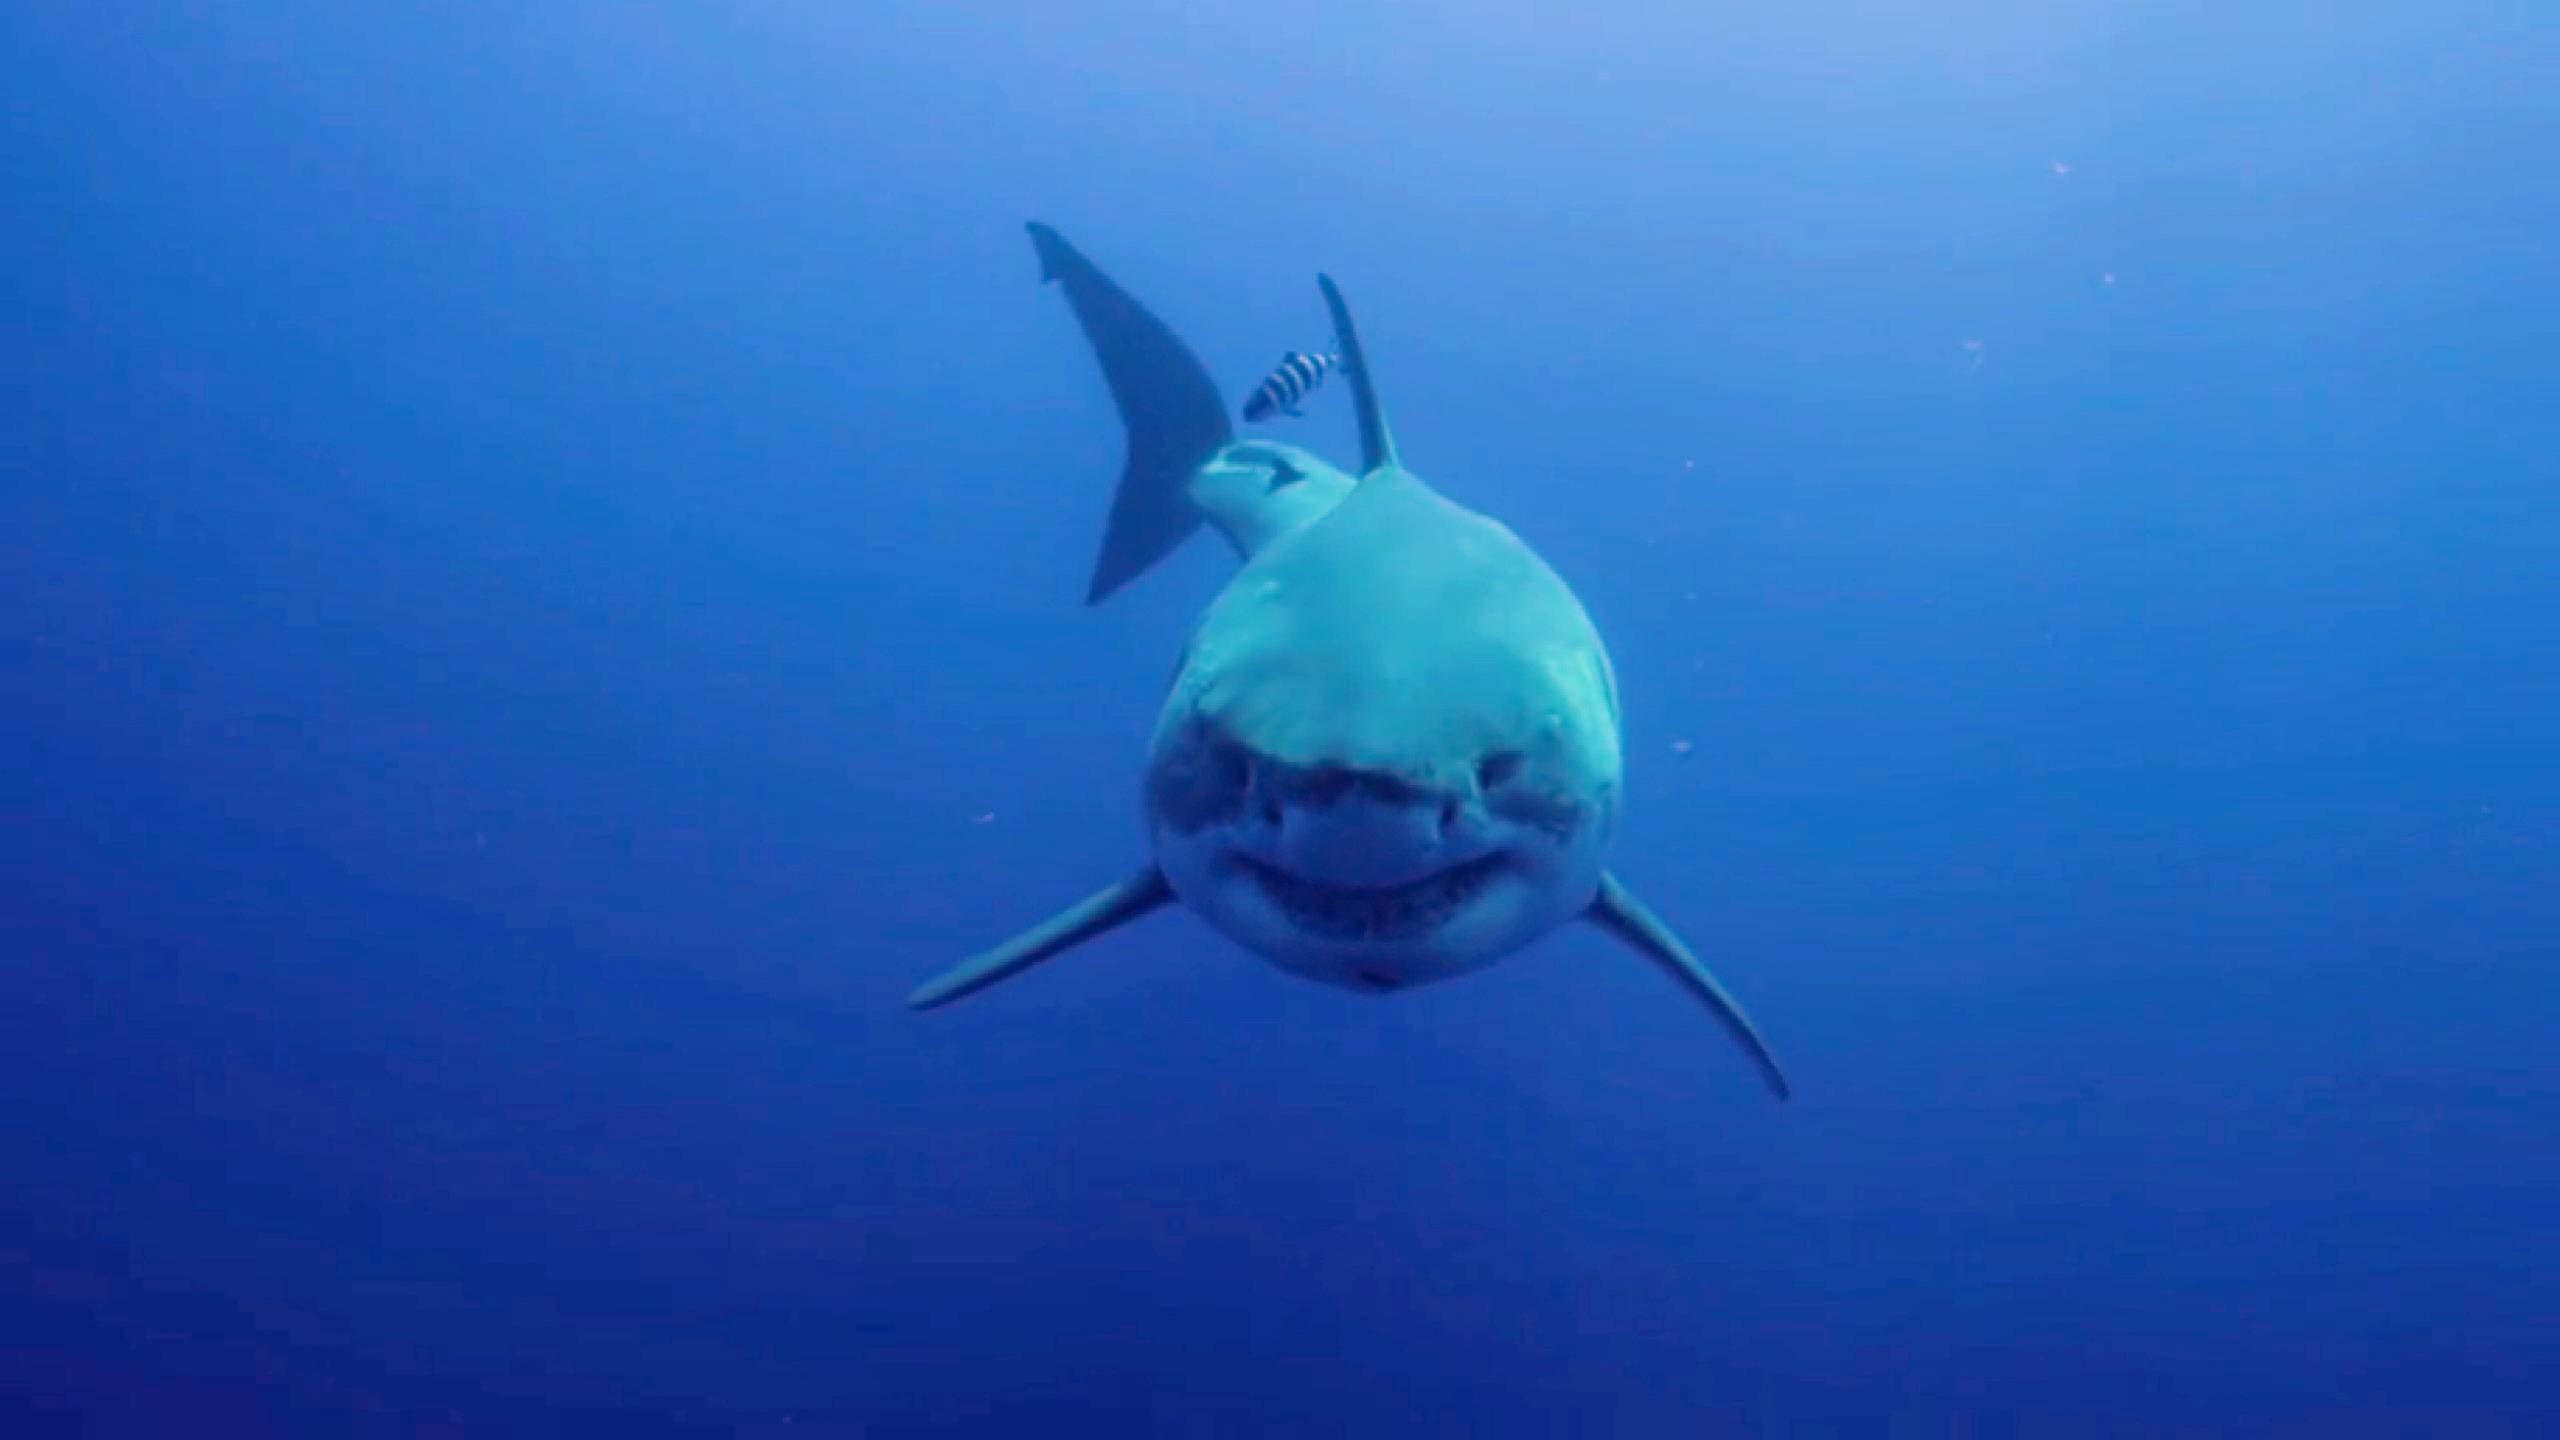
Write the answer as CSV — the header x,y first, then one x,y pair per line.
x,y
1398,913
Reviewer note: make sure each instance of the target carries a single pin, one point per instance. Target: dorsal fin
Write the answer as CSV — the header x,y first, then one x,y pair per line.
x,y
1377,447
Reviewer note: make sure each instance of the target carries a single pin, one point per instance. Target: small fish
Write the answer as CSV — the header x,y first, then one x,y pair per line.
x,y
1293,379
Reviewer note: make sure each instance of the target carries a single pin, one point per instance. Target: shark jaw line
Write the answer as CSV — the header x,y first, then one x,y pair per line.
x,y
1393,914
1389,911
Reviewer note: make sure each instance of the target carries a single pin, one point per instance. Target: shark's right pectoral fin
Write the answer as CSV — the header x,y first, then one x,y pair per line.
x,y
1619,912
1112,908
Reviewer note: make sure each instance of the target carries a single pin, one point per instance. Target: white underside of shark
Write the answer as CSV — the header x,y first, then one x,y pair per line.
x,y
1391,752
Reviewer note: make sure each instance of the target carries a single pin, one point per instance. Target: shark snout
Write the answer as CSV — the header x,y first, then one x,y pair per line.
x,y
1319,788
1363,829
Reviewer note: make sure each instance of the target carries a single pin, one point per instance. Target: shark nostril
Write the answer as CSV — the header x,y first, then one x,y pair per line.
x,y
1497,769
1450,814
1324,784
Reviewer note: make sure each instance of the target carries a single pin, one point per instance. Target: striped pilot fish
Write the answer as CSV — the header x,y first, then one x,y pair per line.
x,y
1292,380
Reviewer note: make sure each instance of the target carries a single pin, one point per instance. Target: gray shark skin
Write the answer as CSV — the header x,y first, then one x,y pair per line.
x,y
1391,751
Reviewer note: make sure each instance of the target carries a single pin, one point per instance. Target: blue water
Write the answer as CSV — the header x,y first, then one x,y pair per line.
x,y
539,561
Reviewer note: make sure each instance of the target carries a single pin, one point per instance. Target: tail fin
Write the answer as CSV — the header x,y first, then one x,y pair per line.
x,y
1175,416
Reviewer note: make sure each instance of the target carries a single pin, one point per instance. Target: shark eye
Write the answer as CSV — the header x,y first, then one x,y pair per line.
x,y
1497,769
1230,768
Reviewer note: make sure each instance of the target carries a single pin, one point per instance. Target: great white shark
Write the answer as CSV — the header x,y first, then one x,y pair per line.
x,y
1391,751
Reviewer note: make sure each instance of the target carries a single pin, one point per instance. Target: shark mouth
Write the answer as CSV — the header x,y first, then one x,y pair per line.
x,y
1401,912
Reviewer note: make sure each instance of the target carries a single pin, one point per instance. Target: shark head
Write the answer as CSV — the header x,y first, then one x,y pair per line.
x,y
1390,753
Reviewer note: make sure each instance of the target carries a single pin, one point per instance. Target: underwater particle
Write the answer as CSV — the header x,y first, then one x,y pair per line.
x,y
2107,278
1972,348
1681,747
988,818
2061,170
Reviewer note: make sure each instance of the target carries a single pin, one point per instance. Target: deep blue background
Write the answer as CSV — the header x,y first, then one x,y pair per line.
x,y
538,574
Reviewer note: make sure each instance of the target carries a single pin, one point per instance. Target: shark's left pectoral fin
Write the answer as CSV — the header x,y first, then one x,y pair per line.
x,y
1112,908
1619,912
